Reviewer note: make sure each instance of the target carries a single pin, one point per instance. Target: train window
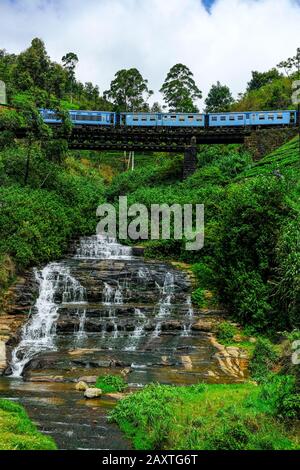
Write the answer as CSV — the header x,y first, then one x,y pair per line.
x,y
279,116
173,118
199,118
144,118
190,118
181,118
134,118
231,117
271,117
240,118
261,116
152,118
214,118
166,117
223,118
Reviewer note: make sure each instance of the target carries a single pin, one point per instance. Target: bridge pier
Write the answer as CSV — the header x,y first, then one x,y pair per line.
x,y
190,159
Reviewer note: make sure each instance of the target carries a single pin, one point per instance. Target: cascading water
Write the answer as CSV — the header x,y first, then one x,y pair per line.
x,y
81,334
165,302
138,332
102,247
187,327
38,334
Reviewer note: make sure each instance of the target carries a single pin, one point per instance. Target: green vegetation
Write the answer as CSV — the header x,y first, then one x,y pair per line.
x,y
207,417
226,332
263,360
111,383
17,431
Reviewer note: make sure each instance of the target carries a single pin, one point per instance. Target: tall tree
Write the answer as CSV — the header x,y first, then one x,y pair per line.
x,y
260,79
32,67
129,91
180,90
290,65
219,99
70,60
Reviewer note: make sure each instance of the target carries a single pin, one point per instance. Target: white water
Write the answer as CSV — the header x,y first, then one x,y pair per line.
x,y
81,334
112,297
187,328
138,332
165,302
39,332
102,247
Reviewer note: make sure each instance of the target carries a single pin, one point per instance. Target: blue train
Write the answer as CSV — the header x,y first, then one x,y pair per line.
x,y
233,119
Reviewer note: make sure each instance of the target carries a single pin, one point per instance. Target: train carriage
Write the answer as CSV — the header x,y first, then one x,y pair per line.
x,y
95,118
163,119
253,118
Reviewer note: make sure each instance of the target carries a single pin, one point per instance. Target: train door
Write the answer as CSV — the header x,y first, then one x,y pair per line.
x,y
248,119
159,119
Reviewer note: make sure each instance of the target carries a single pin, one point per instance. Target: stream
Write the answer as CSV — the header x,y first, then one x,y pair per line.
x,y
104,310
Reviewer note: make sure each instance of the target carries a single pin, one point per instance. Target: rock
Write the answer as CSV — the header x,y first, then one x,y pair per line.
x,y
116,395
2,356
234,352
88,379
126,371
93,393
202,325
252,340
187,362
82,386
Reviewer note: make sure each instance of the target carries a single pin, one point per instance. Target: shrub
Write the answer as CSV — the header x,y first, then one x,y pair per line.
x,y
198,297
226,332
263,360
111,383
281,395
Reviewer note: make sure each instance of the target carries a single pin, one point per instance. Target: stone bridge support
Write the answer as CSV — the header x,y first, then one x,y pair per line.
x,y
190,159
261,142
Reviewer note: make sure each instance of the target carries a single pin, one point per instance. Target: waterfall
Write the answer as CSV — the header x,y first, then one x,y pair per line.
x,y
38,334
187,327
112,297
102,247
137,334
81,334
165,302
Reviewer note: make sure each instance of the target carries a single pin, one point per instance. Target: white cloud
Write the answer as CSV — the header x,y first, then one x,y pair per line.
x,y
152,35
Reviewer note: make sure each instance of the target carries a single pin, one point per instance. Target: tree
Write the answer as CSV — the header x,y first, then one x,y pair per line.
x,y
70,60
156,108
290,66
260,79
180,90
129,91
32,67
219,99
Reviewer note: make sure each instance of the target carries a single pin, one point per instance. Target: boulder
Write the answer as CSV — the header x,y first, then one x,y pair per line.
x,y
88,379
202,325
93,393
81,386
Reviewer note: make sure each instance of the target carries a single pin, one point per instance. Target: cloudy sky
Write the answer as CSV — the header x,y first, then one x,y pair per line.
x,y
218,39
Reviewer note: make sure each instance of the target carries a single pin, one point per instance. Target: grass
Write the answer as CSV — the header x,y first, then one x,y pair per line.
x,y
202,417
17,432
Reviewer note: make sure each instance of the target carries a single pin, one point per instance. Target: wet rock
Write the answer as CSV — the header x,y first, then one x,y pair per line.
x,y
202,325
126,371
88,379
187,362
93,393
115,396
81,386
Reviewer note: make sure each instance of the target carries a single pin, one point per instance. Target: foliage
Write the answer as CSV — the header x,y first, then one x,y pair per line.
x,y
226,332
198,297
201,417
111,383
263,360
17,432
282,396
219,99
259,79
129,91
180,90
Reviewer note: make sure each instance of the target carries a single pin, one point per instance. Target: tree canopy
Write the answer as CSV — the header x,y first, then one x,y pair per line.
x,y
180,90
219,99
129,91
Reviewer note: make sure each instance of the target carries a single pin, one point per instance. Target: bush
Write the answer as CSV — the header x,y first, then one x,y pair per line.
x,y
198,297
111,383
263,360
226,332
281,395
